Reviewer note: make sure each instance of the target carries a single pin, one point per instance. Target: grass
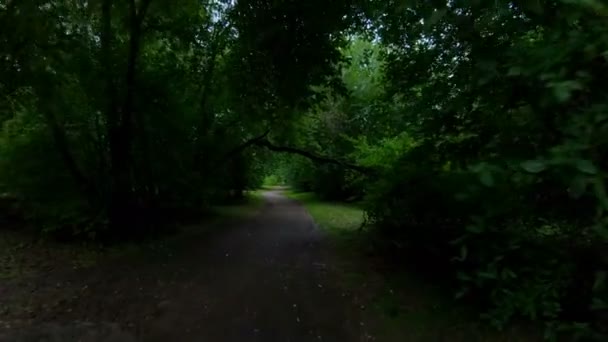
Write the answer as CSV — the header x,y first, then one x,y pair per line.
x,y
404,306
335,218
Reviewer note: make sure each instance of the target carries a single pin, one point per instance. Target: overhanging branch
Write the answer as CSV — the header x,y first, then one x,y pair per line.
x,y
263,142
240,148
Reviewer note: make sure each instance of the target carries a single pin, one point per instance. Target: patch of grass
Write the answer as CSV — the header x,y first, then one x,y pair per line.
x,y
342,223
335,218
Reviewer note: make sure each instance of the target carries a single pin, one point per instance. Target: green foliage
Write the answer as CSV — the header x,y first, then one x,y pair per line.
x,y
272,180
476,132
504,185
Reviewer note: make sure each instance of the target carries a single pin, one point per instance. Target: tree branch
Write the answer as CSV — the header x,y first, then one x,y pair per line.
x,y
263,142
208,75
63,147
243,146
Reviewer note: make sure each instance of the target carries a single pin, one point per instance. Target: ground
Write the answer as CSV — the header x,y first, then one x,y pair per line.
x,y
271,274
267,278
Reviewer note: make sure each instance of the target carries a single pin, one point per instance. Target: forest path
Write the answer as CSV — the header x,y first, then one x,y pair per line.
x,y
268,278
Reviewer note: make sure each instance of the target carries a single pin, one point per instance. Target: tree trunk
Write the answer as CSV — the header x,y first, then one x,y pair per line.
x,y
62,145
123,211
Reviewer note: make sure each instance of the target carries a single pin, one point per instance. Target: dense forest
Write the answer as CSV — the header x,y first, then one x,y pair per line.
x,y
475,133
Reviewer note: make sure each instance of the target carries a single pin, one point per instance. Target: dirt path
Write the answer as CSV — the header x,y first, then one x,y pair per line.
x,y
267,279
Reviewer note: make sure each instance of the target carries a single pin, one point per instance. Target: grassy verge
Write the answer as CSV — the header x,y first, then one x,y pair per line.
x,y
403,306
337,219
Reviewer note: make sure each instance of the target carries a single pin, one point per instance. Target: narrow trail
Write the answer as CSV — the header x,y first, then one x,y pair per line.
x,y
269,278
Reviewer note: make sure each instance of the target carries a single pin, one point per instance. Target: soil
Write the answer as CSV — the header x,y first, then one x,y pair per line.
x,y
268,278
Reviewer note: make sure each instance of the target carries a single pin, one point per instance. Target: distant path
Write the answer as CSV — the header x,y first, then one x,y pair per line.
x,y
266,279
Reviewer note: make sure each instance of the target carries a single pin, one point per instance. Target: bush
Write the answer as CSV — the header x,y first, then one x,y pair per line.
x,y
487,230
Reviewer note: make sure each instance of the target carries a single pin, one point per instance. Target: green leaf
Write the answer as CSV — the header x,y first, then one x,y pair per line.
x,y
507,273
463,276
487,275
534,6
563,90
601,231
600,117
463,254
586,166
594,5
598,304
600,280
475,228
461,293
437,15
562,93
515,71
578,187
486,178
534,166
